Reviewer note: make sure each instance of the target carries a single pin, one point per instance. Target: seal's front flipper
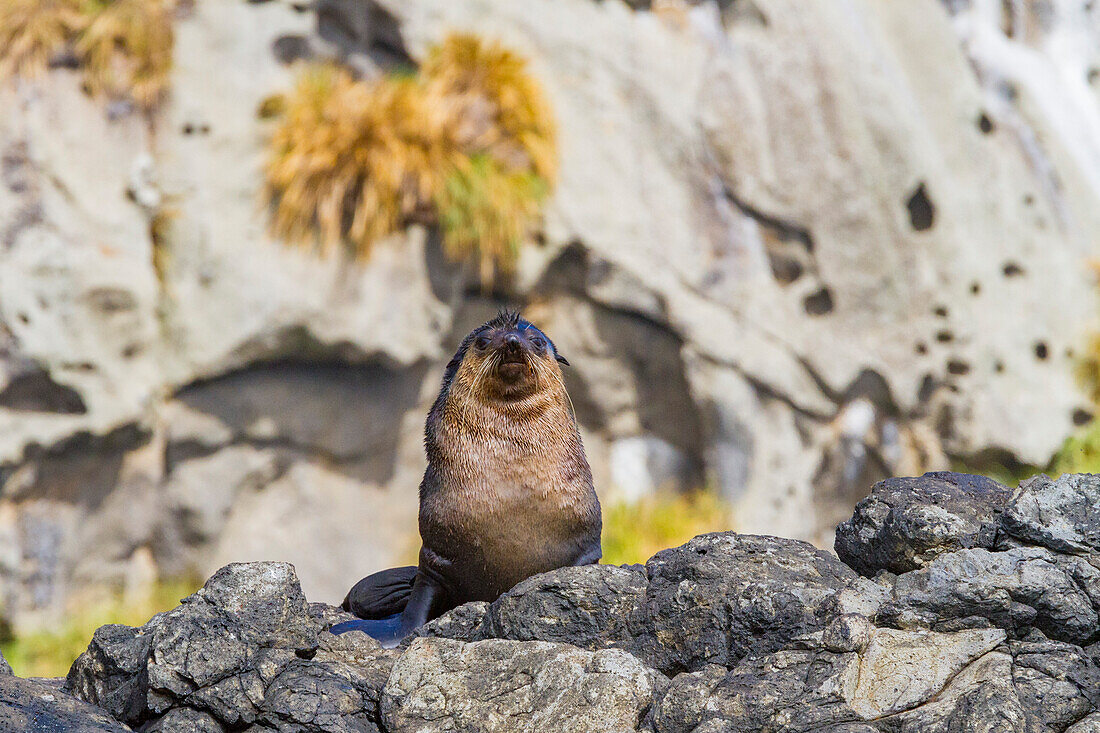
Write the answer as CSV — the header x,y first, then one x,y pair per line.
x,y
385,630
382,594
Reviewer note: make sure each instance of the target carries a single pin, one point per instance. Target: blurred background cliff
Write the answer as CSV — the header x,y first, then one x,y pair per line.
x,y
789,247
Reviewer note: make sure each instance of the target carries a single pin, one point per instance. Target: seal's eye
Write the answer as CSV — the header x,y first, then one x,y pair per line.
x,y
538,342
482,341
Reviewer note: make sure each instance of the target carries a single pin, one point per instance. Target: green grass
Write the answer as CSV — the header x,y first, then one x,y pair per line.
x,y
50,652
1080,453
632,533
486,210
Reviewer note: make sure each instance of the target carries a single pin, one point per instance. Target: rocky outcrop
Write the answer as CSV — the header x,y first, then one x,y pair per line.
x,y
35,705
794,247
726,633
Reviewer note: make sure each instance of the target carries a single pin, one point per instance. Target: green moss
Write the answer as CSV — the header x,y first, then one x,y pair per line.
x,y
634,532
50,652
485,211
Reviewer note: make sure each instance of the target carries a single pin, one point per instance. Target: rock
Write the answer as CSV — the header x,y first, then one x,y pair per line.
x,y
905,522
185,720
29,705
899,670
760,633
112,673
1060,514
5,668
589,607
722,596
1089,724
338,690
917,680
465,623
246,649
326,616
1019,589
1057,683
442,685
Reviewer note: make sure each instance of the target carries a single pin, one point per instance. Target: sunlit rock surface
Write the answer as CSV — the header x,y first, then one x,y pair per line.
x,y
726,633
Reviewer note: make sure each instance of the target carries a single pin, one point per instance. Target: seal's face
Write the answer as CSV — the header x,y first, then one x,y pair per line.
x,y
509,358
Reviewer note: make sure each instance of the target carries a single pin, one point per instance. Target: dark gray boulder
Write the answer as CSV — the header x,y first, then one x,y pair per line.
x,y
465,623
112,672
722,596
589,607
1017,590
184,720
5,668
245,651
38,707
443,685
1062,514
906,522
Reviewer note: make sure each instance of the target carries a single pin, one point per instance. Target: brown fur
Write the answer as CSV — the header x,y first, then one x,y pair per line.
x,y
508,491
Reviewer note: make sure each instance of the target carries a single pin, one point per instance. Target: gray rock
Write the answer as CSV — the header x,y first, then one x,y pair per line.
x,y
1057,683
5,668
326,616
337,691
722,596
1061,514
905,522
589,607
806,687
184,720
465,623
245,650
516,686
1019,589
1088,724
30,705
112,672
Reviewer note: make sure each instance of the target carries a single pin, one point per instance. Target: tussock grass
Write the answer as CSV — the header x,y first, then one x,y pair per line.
x,y
50,652
485,211
124,47
495,105
126,50
352,162
33,31
466,143
634,532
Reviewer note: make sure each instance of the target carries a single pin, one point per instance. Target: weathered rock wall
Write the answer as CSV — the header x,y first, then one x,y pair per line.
x,y
981,615
795,247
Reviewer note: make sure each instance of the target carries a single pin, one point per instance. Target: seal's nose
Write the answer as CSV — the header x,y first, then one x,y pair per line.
x,y
511,340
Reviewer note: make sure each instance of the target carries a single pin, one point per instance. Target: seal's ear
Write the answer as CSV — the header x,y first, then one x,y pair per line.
x,y
561,359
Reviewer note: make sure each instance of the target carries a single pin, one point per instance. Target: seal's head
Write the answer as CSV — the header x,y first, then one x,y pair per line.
x,y
506,359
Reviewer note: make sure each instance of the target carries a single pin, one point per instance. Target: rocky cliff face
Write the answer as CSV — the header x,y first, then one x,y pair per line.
x,y
795,246
964,607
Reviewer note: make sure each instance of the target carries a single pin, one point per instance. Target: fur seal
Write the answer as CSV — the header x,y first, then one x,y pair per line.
x,y
507,492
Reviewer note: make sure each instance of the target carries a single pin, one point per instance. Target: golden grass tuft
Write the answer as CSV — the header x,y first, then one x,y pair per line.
x,y
352,161
496,106
126,50
467,143
124,46
634,532
33,31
